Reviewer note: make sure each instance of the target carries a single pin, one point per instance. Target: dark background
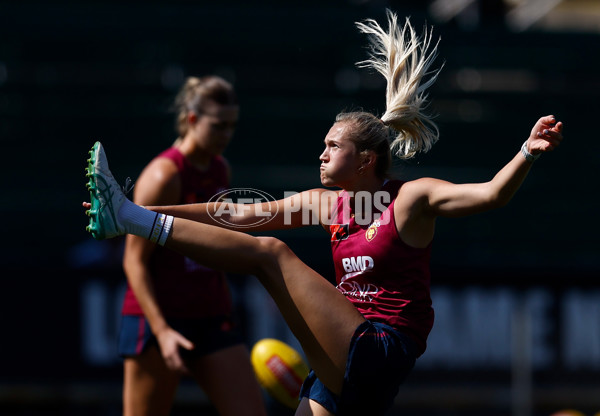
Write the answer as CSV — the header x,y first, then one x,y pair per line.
x,y
73,72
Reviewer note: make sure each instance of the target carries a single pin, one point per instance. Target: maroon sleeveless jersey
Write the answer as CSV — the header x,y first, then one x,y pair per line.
x,y
384,278
185,289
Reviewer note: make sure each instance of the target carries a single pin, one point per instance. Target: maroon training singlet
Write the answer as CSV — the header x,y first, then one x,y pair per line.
x,y
386,279
185,289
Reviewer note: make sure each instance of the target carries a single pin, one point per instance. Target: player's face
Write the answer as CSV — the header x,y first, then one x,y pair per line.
x,y
215,126
340,160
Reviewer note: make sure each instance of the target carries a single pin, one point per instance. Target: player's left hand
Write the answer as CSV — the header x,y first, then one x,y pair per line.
x,y
545,136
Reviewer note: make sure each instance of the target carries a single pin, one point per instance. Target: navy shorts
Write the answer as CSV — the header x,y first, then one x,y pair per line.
x,y
379,359
207,334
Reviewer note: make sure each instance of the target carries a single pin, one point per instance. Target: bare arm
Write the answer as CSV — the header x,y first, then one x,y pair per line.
x,y
158,183
310,207
419,202
452,200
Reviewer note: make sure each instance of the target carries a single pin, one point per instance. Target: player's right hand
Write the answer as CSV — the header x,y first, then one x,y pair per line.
x,y
169,342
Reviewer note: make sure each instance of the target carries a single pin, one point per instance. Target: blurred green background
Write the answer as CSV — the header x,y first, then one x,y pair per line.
x,y
74,72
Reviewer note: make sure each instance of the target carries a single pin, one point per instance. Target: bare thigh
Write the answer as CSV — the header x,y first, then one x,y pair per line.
x,y
320,317
149,387
309,407
228,379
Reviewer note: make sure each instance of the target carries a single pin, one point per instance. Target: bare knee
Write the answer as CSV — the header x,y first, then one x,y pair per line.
x,y
272,247
272,250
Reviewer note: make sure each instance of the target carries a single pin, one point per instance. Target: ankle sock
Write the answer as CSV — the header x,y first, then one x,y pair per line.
x,y
139,221
161,229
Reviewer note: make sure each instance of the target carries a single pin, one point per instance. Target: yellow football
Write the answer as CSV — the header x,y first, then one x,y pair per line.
x,y
280,370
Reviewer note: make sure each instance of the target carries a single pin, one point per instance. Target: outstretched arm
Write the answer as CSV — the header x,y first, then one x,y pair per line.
x,y
452,200
309,207
420,201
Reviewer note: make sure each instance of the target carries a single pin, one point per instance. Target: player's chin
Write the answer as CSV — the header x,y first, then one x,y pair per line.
x,y
326,181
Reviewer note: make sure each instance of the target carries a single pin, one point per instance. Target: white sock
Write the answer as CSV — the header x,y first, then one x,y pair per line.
x,y
139,221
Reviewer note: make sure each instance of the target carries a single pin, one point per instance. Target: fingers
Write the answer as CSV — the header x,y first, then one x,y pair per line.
x,y
558,127
86,205
172,344
187,344
175,362
548,120
178,364
552,133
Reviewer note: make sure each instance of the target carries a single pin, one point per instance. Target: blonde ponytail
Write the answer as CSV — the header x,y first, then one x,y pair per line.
x,y
404,60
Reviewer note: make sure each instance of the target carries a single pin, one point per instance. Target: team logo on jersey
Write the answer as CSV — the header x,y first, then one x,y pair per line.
x,y
372,230
338,232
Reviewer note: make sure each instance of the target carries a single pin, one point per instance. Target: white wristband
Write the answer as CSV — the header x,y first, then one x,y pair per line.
x,y
528,156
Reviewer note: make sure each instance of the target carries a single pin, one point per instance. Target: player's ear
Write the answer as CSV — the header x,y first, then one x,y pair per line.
x,y
368,159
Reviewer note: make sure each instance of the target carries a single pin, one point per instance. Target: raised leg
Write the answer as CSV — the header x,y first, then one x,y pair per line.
x,y
320,317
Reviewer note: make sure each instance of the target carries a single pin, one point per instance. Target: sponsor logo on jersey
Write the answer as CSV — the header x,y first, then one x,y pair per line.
x,y
358,263
360,291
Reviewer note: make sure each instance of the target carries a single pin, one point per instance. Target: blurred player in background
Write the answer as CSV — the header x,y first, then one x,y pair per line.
x,y
362,337
177,314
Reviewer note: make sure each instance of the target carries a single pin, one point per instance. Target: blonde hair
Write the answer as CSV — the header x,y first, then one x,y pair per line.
x,y
404,60
195,92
